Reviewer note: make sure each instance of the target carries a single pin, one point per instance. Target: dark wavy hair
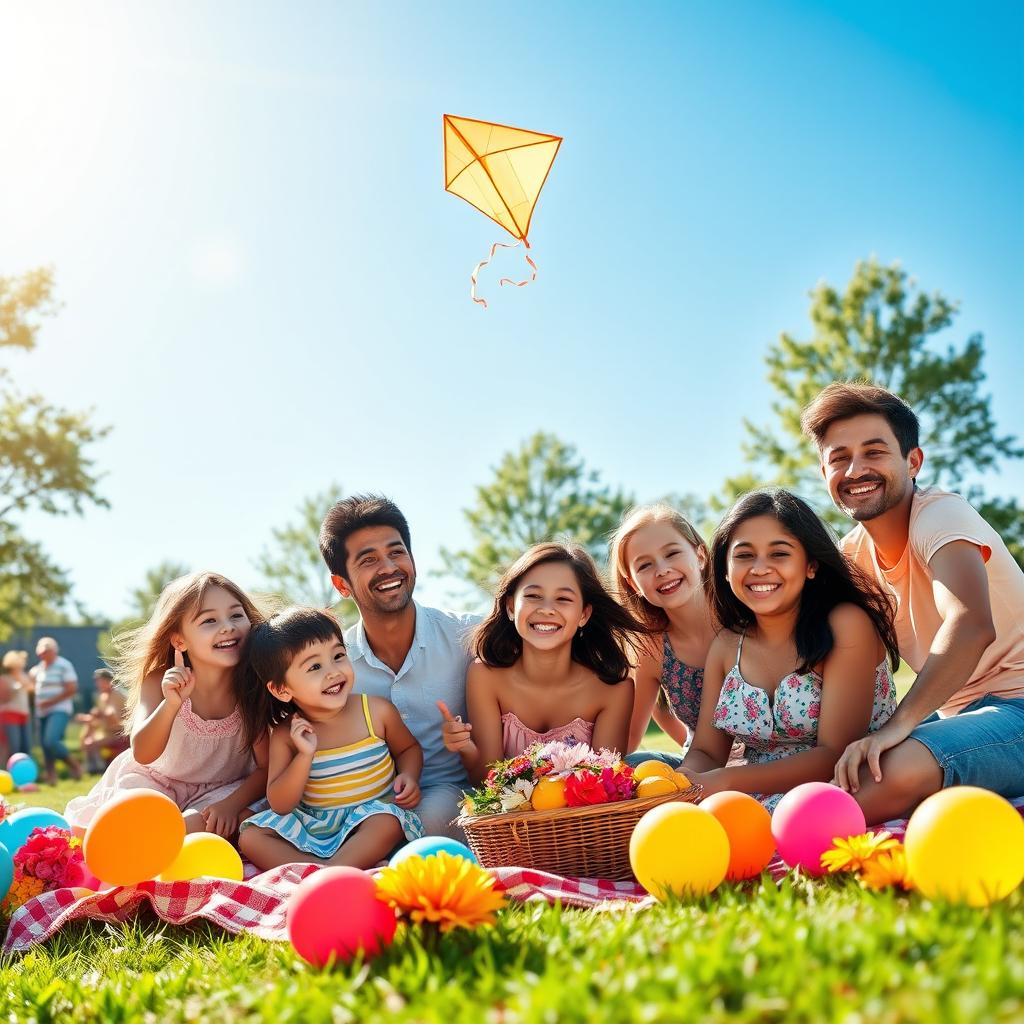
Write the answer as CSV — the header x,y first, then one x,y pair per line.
x,y
273,645
837,580
601,648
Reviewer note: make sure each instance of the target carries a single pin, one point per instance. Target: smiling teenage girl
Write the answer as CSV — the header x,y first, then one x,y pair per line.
x,y
551,662
801,666
179,671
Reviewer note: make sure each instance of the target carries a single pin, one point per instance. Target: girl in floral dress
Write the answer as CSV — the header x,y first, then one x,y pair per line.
x,y
551,663
659,562
802,665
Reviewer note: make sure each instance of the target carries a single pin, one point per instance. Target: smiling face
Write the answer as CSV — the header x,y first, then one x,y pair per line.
x,y
547,607
866,473
380,572
319,678
664,568
214,634
767,566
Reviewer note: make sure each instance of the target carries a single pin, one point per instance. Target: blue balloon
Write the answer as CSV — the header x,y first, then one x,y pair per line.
x,y
24,771
6,871
427,845
14,831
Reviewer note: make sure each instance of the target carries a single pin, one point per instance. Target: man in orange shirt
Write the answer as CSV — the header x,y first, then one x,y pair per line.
x,y
959,610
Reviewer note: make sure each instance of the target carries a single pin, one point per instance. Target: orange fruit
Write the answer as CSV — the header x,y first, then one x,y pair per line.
x,y
548,795
681,781
654,786
650,770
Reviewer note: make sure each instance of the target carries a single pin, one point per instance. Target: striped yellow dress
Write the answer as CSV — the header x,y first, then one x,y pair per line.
x,y
346,786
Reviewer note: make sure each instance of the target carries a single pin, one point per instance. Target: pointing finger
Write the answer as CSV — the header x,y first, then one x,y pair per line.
x,y
445,713
179,659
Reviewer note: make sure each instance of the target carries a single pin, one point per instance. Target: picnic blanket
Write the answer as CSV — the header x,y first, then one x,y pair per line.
x,y
259,903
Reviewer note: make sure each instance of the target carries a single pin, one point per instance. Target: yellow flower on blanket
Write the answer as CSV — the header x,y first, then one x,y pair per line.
x,y
853,852
887,869
451,892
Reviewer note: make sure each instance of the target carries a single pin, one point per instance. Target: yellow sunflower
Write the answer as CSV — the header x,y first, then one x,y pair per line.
x,y
887,869
450,891
852,853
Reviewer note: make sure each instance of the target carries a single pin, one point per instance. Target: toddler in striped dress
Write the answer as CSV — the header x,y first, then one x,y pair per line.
x,y
343,768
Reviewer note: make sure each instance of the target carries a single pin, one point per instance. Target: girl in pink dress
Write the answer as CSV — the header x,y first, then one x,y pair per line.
x,y
801,667
551,663
187,740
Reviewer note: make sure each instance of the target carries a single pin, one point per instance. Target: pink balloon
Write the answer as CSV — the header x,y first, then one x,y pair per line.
x,y
335,912
808,818
15,758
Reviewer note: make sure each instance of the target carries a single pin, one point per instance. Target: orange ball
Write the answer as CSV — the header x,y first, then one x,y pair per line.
x,y
749,828
134,837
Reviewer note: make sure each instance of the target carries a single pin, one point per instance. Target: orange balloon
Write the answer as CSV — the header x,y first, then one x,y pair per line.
x,y
749,828
134,837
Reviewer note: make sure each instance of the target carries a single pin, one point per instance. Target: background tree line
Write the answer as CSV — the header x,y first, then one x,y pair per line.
x,y
881,328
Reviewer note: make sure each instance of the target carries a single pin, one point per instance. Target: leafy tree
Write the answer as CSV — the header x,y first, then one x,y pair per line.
x,y
43,463
542,491
881,329
143,598
293,567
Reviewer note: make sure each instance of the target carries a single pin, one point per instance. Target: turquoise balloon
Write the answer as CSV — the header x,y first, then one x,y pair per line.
x,y
24,771
14,831
6,871
427,845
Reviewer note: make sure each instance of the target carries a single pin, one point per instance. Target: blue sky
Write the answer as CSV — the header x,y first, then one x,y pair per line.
x,y
265,285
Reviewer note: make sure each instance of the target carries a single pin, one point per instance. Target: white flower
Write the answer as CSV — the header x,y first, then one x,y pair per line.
x,y
565,758
517,795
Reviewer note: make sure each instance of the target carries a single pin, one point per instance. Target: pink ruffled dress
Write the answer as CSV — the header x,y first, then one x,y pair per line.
x,y
516,737
204,761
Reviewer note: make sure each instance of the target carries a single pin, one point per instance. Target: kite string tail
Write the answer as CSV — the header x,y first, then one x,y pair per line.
x,y
487,259
533,268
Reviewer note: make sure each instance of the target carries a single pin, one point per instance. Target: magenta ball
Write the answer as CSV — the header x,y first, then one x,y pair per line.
x,y
808,818
336,913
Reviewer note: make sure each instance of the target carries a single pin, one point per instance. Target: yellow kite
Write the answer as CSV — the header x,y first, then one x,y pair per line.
x,y
500,170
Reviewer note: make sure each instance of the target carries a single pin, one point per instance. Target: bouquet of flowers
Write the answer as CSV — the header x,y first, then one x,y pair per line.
x,y
51,858
551,775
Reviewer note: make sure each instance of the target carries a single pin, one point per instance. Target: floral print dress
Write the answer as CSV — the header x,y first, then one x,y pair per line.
x,y
786,722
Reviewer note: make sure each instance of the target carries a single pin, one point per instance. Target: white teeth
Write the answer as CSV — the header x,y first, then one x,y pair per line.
x,y
545,627
667,588
763,588
225,644
390,586
862,490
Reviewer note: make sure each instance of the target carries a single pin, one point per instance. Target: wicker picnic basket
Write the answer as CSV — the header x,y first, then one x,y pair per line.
x,y
578,842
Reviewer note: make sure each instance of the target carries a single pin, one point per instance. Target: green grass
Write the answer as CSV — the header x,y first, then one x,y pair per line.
x,y
800,952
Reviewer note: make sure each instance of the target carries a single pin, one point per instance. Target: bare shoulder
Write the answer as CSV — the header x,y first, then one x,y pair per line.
x,y
380,708
725,645
850,624
482,677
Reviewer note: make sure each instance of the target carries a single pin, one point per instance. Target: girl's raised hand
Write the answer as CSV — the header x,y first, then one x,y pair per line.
x,y
454,731
178,682
303,736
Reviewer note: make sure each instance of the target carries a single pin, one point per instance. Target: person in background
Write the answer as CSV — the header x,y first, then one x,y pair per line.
x,y
15,710
103,734
56,684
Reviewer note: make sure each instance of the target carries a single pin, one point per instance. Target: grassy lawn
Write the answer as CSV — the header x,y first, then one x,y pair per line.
x,y
800,952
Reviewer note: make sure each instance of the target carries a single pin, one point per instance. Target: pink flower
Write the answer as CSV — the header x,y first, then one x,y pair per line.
x,y
618,784
48,854
814,709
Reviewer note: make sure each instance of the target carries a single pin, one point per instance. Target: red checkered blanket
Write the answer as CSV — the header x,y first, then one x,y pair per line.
x,y
258,904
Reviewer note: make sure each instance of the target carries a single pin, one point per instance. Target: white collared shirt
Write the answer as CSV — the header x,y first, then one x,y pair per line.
x,y
434,669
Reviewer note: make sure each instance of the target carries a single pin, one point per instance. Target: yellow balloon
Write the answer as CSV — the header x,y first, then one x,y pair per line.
x,y
6,783
204,854
965,845
680,849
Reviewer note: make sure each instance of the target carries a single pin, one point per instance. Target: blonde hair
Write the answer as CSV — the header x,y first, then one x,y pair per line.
x,y
15,660
622,582
147,648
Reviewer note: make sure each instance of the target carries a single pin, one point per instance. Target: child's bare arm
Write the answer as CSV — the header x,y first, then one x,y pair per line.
x,y
611,727
160,701
292,746
406,751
